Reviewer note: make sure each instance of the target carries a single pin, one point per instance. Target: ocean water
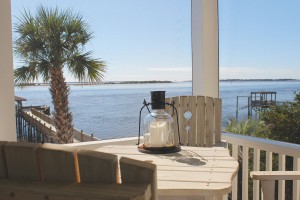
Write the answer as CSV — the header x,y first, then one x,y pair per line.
x,y
112,110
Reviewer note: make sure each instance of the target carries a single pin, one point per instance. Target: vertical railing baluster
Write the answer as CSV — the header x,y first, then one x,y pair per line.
x,y
269,164
235,155
269,161
296,184
256,167
245,172
281,183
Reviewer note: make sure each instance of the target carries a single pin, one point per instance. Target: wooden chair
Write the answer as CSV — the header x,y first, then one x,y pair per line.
x,y
58,163
49,171
268,179
97,167
134,171
22,161
3,170
199,120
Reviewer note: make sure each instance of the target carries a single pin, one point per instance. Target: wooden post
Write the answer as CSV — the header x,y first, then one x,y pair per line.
x,y
268,190
237,108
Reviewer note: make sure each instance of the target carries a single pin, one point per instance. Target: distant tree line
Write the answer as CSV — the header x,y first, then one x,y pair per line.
x,y
135,82
285,79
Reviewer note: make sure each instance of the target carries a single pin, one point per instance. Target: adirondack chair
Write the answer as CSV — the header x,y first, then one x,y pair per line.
x,y
199,120
34,171
268,179
139,172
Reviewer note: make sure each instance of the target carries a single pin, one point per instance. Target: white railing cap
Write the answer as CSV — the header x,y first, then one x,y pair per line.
x,y
279,147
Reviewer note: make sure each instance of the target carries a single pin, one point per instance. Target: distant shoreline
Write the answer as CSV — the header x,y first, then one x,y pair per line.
x,y
231,80
150,82
135,82
103,83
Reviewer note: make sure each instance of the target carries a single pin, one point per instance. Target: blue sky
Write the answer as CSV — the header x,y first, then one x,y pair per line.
x,y
151,40
259,38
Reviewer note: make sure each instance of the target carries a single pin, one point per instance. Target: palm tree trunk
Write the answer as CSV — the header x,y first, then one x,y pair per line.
x,y
63,120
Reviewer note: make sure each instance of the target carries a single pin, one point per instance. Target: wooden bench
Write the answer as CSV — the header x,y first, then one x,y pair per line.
x,y
55,172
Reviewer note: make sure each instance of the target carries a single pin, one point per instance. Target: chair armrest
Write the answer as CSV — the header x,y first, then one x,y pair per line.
x,y
275,175
31,190
268,179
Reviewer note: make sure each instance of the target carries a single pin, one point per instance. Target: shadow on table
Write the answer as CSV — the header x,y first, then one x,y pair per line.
x,y
185,156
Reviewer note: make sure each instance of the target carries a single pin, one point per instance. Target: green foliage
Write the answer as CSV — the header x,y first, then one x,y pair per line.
x,y
249,127
297,97
284,121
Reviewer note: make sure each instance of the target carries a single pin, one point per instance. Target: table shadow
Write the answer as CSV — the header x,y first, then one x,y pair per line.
x,y
187,157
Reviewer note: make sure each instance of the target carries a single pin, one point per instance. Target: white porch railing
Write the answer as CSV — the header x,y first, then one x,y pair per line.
x,y
271,147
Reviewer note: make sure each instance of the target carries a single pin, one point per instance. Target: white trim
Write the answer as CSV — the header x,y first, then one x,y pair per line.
x,y
205,47
7,106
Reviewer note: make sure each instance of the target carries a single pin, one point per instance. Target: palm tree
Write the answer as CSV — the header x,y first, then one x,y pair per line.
x,y
48,44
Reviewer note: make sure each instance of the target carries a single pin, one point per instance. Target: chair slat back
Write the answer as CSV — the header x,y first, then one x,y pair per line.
x,y
170,111
199,120
50,170
22,161
135,171
58,163
97,167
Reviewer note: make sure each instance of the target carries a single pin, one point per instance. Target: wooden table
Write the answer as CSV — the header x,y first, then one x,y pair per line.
x,y
192,173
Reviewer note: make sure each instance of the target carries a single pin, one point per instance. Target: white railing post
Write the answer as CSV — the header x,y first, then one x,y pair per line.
x,y
296,183
256,167
245,172
269,156
267,190
281,183
235,155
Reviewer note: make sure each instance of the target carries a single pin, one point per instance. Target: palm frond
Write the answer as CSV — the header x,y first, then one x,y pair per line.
x,y
44,70
56,38
86,69
25,74
28,43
